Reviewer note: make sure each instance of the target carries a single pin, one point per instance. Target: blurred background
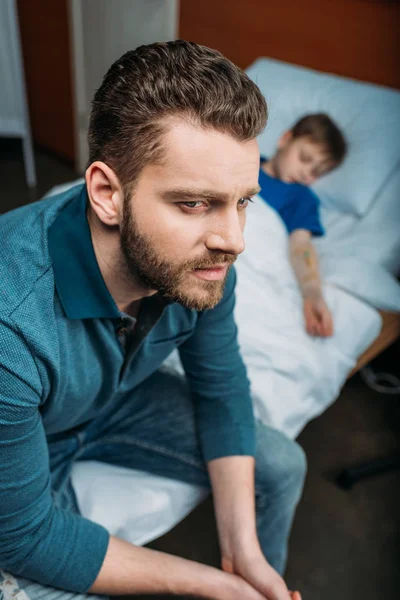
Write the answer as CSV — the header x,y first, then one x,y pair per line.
x,y
53,55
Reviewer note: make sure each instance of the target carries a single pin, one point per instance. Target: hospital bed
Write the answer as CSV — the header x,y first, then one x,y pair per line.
x,y
294,377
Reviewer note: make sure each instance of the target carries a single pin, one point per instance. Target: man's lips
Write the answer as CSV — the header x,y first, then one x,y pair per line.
x,y
214,273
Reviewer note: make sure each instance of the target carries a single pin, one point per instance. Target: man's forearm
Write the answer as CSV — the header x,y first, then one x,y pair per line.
x,y
232,480
129,569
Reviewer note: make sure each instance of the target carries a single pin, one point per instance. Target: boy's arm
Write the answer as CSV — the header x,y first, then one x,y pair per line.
x,y
303,257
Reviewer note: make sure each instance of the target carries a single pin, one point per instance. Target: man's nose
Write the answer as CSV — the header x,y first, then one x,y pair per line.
x,y
226,235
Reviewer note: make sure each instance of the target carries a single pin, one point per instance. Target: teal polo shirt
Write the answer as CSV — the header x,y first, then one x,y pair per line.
x,y
62,360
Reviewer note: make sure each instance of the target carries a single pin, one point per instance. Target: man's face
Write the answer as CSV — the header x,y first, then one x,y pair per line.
x,y
183,226
300,160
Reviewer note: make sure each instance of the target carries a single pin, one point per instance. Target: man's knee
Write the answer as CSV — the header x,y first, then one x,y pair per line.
x,y
281,463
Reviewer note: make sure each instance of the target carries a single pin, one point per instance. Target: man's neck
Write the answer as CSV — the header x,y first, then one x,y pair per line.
x,y
126,293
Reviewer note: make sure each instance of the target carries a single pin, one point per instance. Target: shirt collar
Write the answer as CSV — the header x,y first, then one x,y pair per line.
x,y
79,282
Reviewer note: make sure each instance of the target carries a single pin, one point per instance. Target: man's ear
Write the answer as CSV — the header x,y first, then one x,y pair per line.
x,y
285,139
105,193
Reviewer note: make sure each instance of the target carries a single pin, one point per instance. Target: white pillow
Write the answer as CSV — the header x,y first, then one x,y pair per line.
x,y
362,279
369,116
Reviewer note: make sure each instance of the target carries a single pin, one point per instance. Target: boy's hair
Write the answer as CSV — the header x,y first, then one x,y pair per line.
x,y
320,129
166,79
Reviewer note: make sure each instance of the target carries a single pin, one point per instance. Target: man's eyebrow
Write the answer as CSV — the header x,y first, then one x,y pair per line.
x,y
253,191
190,193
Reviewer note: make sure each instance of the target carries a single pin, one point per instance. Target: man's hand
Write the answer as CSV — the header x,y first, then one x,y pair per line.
x,y
232,479
317,316
128,570
254,569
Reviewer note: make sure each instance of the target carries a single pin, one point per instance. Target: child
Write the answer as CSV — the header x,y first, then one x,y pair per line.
x,y
313,147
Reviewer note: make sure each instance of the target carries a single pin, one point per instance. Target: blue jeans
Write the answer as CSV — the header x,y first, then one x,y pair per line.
x,y
153,430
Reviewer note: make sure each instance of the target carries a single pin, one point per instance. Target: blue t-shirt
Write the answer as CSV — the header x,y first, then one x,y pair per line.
x,y
296,204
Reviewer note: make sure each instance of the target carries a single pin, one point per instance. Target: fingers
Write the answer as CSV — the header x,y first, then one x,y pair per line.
x,y
318,328
318,320
326,323
312,326
311,322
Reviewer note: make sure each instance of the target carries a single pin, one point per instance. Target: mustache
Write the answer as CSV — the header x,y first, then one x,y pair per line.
x,y
210,261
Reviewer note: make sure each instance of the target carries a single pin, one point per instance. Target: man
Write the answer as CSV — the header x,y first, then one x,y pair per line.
x,y
99,285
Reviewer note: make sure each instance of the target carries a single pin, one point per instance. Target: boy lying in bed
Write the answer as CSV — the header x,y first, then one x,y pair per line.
x,y
313,147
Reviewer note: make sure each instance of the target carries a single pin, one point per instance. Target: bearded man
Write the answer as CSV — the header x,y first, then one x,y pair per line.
x,y
98,285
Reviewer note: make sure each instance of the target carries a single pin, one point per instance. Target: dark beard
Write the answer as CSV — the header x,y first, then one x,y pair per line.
x,y
147,268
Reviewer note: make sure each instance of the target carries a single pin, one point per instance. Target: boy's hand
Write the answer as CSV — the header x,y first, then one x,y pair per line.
x,y
317,316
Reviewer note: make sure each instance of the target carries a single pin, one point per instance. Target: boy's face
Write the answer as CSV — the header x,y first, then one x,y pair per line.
x,y
301,160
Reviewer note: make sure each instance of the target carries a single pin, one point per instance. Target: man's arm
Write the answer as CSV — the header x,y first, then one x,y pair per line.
x,y
217,378
303,257
232,480
38,540
128,569
55,547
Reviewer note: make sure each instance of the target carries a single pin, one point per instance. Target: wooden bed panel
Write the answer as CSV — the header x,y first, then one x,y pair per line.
x,y
389,333
355,38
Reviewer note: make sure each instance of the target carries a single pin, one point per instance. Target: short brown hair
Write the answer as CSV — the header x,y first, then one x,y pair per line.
x,y
162,79
320,128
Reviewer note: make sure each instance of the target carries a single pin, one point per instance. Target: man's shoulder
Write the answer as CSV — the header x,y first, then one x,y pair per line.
x,y
24,255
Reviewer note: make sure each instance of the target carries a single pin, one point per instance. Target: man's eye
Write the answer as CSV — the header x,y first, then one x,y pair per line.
x,y
194,204
305,158
244,202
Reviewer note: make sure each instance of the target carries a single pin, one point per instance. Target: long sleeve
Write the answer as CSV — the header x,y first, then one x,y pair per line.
x,y
218,381
37,540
